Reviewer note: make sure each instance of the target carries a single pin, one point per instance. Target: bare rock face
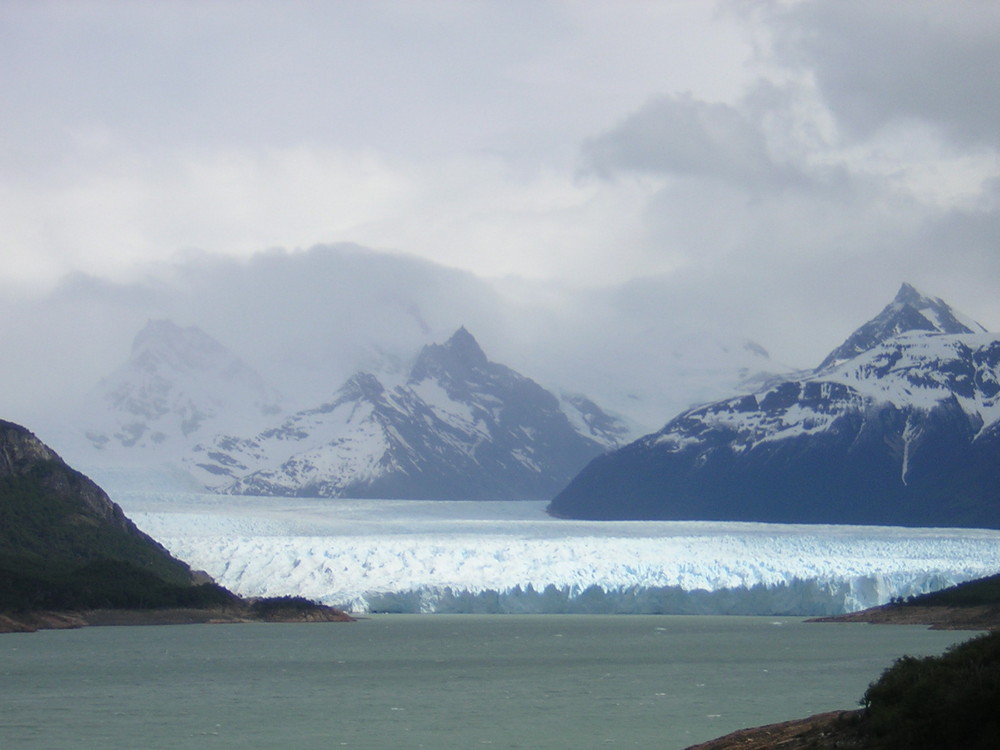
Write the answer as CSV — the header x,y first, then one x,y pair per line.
x,y
19,449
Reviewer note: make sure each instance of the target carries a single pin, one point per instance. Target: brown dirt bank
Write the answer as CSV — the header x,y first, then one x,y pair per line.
x,y
836,729
31,621
982,617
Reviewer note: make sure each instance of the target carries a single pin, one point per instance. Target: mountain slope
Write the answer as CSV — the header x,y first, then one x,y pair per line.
x,y
51,514
909,311
178,386
903,432
458,427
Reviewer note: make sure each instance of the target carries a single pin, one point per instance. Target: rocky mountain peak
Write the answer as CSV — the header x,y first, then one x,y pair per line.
x,y
20,449
900,426
463,342
460,428
455,360
908,295
910,310
363,385
164,343
464,346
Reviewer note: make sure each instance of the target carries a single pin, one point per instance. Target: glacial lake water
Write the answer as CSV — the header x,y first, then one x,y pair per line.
x,y
437,681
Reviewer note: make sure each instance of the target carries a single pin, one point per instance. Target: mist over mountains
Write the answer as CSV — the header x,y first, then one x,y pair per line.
x,y
306,321
457,427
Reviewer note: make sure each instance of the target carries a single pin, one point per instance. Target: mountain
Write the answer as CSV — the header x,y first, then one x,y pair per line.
x,y
909,311
70,557
178,386
898,426
51,514
458,426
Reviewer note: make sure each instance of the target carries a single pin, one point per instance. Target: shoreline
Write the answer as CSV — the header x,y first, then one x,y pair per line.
x,y
29,622
981,617
935,618
826,730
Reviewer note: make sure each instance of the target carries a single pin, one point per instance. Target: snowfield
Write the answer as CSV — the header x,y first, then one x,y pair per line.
x,y
426,556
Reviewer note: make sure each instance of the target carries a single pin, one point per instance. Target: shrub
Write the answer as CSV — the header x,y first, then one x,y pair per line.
x,y
28,584
275,604
939,703
983,591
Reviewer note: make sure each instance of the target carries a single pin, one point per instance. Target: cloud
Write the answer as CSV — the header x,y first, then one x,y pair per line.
x,y
879,64
853,163
686,137
307,320
447,129
605,177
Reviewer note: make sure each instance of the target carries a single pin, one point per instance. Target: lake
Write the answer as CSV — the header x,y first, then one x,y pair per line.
x,y
437,681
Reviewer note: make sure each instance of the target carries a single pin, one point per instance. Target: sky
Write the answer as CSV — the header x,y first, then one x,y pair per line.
x,y
764,169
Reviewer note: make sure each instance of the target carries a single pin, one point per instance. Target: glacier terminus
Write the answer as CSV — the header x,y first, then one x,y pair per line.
x,y
511,557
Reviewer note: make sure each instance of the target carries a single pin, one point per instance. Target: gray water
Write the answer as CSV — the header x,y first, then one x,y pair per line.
x,y
436,681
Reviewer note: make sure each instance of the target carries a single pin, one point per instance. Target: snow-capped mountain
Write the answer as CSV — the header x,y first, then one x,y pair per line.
x,y
457,427
178,386
899,426
909,311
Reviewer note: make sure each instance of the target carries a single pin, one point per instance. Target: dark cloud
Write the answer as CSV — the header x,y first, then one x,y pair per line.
x,y
683,136
879,63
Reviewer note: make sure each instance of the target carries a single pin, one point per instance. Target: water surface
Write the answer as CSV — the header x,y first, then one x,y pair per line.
x,y
436,681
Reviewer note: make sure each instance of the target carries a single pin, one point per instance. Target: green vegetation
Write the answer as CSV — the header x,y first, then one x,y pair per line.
x,y
64,546
283,605
52,513
938,703
981,592
28,585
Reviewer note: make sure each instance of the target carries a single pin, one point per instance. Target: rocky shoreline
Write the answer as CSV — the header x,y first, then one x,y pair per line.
x,y
982,617
29,622
835,729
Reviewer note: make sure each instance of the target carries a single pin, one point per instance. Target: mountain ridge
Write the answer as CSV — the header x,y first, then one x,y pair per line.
x,y
910,310
904,432
50,513
458,426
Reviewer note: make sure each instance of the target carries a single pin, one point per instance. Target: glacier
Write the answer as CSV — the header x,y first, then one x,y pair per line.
x,y
414,556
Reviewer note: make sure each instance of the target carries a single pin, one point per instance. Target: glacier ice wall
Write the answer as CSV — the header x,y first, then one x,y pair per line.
x,y
416,556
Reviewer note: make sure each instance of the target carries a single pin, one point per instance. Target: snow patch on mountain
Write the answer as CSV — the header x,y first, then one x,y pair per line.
x,y
909,311
906,429
178,386
459,425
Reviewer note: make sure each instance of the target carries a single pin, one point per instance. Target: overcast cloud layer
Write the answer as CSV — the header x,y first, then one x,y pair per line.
x,y
578,182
